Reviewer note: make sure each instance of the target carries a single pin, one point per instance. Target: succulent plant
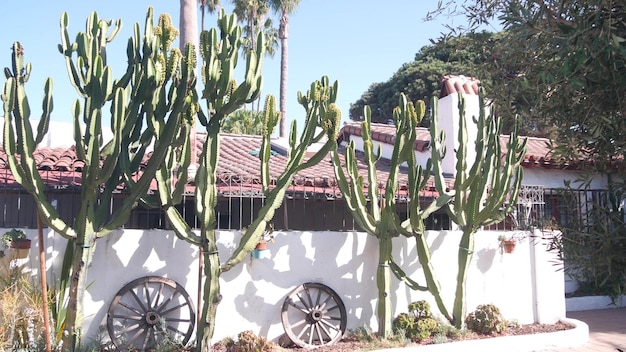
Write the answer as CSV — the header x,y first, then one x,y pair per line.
x,y
486,320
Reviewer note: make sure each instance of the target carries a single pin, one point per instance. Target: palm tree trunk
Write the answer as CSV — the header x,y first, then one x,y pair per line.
x,y
283,34
188,23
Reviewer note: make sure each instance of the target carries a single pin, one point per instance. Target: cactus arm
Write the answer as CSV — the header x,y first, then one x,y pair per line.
x,y
401,275
370,160
322,110
355,201
25,170
46,107
270,119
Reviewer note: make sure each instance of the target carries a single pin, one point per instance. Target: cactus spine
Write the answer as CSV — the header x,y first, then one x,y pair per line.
x,y
222,95
483,194
148,90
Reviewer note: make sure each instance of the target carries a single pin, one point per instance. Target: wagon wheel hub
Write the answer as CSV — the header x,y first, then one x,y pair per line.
x,y
152,318
315,315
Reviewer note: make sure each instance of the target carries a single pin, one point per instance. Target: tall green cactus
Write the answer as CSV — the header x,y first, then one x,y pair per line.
x,y
479,197
483,194
222,95
380,217
147,103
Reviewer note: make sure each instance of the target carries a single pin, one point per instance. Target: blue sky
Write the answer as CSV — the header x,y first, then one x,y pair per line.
x,y
355,42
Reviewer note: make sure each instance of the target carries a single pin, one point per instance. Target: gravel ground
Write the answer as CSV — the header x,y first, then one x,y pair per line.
x,y
351,343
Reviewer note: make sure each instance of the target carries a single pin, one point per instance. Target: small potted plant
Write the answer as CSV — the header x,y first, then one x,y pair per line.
x,y
507,244
260,251
16,240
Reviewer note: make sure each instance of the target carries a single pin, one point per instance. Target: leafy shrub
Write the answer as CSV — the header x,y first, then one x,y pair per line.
x,y
450,332
420,309
425,328
486,320
247,341
593,245
402,323
417,325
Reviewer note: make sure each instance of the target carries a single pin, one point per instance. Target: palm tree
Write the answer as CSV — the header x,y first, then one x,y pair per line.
x,y
188,23
243,121
250,12
210,6
253,14
285,8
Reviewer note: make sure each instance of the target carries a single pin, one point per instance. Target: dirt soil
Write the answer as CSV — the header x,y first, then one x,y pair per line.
x,y
351,343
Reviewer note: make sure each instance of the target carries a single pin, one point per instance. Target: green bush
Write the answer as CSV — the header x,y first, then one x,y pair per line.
x,y
425,328
247,341
449,331
486,320
420,309
593,245
417,325
402,323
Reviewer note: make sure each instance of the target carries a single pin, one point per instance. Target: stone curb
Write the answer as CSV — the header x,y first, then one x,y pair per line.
x,y
575,337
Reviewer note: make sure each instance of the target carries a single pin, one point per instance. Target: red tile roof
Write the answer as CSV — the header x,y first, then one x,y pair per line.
x,y
238,168
538,152
452,84
239,164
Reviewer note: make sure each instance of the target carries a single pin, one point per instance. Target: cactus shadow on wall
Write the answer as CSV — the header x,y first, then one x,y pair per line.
x,y
128,255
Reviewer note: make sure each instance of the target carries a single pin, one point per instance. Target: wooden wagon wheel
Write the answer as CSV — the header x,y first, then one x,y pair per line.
x,y
313,315
149,310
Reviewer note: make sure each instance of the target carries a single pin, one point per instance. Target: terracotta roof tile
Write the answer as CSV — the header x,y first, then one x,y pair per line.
x,y
452,84
238,167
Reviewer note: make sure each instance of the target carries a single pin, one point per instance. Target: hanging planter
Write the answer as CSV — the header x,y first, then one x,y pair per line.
x,y
17,241
508,246
260,251
508,243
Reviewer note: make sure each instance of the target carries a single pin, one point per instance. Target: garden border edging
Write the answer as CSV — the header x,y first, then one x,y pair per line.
x,y
575,337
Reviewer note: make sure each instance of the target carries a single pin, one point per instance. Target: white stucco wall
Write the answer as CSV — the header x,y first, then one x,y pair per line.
x,y
555,178
526,284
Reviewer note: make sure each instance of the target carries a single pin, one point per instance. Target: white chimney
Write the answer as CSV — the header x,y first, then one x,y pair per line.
x,y
449,117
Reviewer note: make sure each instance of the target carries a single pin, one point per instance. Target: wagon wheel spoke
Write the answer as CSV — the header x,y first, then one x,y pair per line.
x,y
166,302
137,334
146,339
138,300
132,309
173,329
130,329
306,316
175,308
300,308
147,308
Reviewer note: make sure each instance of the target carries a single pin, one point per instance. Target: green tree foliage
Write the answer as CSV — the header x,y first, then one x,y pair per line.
x,y
421,79
571,56
243,121
482,55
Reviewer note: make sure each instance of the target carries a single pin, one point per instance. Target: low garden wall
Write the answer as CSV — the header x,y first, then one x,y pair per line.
x,y
526,285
